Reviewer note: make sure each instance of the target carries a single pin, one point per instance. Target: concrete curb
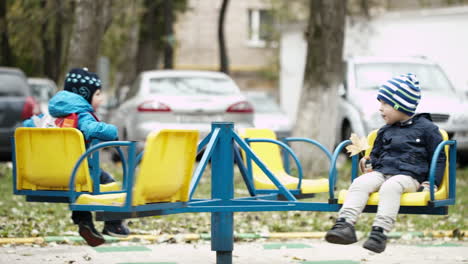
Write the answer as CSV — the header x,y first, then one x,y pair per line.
x,y
238,237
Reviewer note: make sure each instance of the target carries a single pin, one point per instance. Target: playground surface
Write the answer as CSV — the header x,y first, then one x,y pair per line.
x,y
303,251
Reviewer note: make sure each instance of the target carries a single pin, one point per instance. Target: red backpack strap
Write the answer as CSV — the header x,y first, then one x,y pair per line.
x,y
95,117
70,120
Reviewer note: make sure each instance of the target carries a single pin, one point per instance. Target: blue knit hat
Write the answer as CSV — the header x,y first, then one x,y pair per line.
x,y
82,82
402,92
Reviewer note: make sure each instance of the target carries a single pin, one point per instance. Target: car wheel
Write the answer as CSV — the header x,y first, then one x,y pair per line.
x,y
346,131
345,134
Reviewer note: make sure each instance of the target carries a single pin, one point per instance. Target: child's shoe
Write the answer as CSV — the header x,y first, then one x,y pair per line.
x,y
341,233
115,229
90,234
377,240
426,187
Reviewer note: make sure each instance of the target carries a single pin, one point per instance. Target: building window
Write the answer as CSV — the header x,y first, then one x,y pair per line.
x,y
260,27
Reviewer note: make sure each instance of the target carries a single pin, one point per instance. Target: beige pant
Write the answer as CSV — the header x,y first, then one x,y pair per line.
x,y
390,188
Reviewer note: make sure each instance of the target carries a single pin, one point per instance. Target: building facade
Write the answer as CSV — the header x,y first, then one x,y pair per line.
x,y
252,55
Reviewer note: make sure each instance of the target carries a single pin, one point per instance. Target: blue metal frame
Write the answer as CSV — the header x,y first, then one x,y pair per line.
x,y
127,187
286,152
285,147
248,180
287,140
222,149
209,141
452,173
332,175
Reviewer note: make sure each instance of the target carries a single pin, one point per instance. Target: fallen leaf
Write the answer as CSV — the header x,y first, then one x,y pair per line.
x,y
357,145
298,258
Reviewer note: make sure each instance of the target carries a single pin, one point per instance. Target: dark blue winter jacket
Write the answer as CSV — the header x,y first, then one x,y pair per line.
x,y
407,148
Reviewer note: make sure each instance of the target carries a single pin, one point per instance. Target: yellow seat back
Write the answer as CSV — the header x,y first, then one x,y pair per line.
x,y
370,140
45,158
442,192
268,153
166,168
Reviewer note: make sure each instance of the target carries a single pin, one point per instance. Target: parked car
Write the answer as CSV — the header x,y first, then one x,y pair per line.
x,y
16,105
359,107
43,89
268,113
180,99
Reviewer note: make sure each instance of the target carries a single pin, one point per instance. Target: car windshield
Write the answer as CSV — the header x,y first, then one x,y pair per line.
x,y
372,75
264,104
192,86
12,85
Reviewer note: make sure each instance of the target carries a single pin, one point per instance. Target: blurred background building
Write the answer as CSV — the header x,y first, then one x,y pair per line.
x,y
249,35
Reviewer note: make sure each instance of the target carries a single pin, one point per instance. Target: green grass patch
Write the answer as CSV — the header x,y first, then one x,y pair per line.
x,y
332,262
148,263
285,245
19,218
121,249
441,245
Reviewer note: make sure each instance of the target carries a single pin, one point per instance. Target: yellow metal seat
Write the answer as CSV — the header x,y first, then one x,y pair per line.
x,y
45,157
164,174
270,154
413,198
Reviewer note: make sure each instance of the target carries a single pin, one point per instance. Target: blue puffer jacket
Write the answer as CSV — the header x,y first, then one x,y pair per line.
x,y
64,103
406,148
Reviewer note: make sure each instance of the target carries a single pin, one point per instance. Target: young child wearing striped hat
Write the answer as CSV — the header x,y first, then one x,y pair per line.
x,y
400,161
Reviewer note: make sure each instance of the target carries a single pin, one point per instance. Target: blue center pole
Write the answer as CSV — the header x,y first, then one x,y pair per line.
x,y
222,187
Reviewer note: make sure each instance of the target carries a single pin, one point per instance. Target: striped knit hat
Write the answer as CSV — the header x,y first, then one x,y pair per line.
x,y
402,92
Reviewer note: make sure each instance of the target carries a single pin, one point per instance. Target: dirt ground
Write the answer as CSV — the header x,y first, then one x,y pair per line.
x,y
305,251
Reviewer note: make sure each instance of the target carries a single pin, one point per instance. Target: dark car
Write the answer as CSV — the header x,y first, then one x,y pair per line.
x,y
16,105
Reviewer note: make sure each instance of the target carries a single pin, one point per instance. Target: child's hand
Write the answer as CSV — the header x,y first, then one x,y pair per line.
x,y
365,165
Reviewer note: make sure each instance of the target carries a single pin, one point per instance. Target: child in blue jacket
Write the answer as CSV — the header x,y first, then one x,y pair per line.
x,y
82,95
400,160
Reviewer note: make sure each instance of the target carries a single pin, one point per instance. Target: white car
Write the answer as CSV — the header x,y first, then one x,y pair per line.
x,y
180,100
43,89
359,108
268,113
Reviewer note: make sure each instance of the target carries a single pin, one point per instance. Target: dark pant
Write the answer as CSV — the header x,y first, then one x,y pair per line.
x,y
86,216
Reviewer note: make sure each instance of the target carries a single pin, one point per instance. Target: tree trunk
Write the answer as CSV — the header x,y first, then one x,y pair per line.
x,y
47,48
92,19
58,36
127,67
149,45
6,54
168,35
223,55
318,104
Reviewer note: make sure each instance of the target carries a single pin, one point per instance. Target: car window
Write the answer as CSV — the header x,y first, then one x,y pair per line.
x,y
372,75
192,86
13,85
